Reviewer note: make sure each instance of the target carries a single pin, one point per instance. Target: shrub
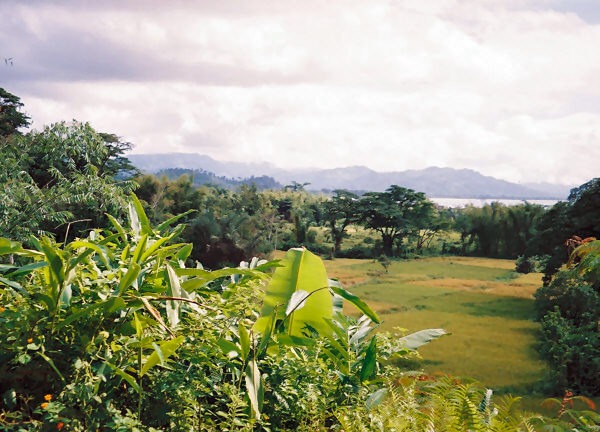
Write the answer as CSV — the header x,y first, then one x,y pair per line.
x,y
361,252
569,310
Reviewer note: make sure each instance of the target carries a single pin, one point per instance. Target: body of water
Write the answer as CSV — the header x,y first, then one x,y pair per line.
x,y
480,202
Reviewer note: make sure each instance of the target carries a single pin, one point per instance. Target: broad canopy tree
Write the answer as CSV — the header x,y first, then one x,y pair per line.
x,y
396,214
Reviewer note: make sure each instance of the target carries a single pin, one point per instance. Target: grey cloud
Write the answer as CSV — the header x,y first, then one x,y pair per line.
x,y
71,54
587,10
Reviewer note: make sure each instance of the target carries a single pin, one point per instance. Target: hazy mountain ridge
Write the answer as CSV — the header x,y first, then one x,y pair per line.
x,y
434,181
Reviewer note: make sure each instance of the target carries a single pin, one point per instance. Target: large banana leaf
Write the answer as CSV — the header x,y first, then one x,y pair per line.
x,y
299,270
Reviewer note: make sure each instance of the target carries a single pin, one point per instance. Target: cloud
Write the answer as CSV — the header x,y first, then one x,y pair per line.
x,y
507,88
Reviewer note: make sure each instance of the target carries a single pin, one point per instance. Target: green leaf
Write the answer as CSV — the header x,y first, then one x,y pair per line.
x,y
337,300
361,333
369,361
415,340
100,250
128,278
10,398
125,376
141,215
228,348
184,252
54,259
26,269
13,284
168,222
6,267
159,352
295,341
111,305
52,365
265,336
153,248
167,349
174,290
67,293
139,331
254,387
8,246
376,398
244,341
139,249
355,300
300,271
118,227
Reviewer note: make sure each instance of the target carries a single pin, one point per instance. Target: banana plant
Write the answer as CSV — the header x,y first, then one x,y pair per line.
x,y
301,305
300,296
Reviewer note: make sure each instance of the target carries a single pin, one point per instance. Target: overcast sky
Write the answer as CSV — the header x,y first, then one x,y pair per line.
x,y
510,88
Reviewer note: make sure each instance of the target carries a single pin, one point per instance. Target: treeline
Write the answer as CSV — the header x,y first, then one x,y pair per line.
x,y
399,222
63,179
202,177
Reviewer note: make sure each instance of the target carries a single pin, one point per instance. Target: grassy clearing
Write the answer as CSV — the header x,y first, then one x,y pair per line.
x,y
483,302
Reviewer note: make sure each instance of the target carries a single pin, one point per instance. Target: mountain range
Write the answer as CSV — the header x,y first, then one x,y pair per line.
x,y
434,181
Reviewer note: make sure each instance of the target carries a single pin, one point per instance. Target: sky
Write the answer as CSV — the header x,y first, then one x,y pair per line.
x,y
510,88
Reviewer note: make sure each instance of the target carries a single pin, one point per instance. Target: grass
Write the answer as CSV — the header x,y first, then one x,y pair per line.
x,y
484,304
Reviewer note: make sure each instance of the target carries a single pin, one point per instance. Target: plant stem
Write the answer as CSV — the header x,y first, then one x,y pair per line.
x,y
141,392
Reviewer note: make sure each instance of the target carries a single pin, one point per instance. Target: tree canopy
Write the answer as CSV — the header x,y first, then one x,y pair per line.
x,y
395,214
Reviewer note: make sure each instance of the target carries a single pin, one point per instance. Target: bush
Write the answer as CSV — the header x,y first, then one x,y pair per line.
x,y
572,352
574,297
524,264
569,310
361,252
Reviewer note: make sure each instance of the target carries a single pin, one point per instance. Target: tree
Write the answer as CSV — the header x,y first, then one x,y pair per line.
x,y
429,226
55,181
115,163
339,212
497,230
11,118
394,214
295,186
579,216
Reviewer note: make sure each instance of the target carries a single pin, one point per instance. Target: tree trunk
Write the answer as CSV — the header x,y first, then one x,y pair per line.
x,y
388,244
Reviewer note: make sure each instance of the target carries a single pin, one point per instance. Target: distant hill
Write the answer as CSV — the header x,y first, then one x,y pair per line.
x,y
434,181
201,177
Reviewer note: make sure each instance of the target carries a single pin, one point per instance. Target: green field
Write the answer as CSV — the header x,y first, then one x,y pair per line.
x,y
486,306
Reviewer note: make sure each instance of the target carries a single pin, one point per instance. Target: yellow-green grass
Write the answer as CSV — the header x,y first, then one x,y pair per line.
x,y
486,306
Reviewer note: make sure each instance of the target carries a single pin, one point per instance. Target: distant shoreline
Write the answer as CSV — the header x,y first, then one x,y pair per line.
x,y
480,202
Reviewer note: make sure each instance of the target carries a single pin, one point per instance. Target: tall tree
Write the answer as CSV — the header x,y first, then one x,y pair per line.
x,y
339,212
394,214
53,181
11,117
579,216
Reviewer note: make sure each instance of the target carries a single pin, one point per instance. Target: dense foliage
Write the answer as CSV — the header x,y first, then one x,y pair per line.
x,y
59,180
579,216
569,311
113,332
